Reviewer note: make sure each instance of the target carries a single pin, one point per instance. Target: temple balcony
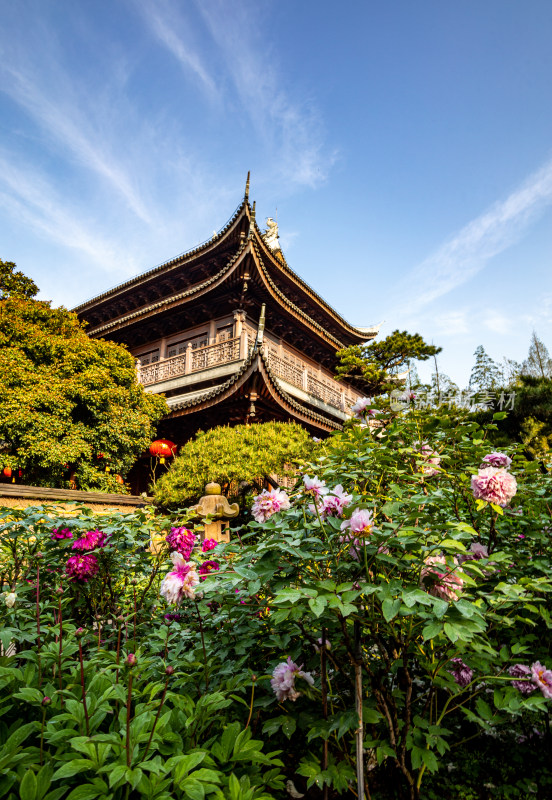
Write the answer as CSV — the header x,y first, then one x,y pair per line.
x,y
184,375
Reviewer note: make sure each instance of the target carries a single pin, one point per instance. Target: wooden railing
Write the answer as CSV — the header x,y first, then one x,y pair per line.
x,y
213,355
288,368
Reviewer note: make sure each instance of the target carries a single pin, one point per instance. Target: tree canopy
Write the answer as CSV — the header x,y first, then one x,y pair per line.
x,y
13,283
485,374
244,453
538,363
376,365
71,411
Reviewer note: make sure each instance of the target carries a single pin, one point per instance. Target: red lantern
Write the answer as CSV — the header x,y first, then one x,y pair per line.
x,y
162,449
7,472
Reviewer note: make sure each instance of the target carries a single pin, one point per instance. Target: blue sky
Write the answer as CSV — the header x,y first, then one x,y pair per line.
x,y
406,149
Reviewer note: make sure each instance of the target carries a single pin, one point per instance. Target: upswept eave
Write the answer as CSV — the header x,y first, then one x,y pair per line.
x,y
362,333
256,362
242,209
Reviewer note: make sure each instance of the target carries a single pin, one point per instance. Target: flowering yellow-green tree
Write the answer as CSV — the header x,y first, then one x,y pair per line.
x,y
71,411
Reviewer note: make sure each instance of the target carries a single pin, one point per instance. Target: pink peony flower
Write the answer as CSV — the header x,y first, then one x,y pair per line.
x,y
61,533
207,567
208,544
442,580
81,568
542,677
476,551
521,671
90,541
496,460
332,505
314,486
430,457
360,523
283,682
360,408
181,582
268,503
181,540
494,485
461,673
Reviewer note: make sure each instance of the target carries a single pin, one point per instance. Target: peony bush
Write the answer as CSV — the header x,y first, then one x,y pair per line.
x,y
381,631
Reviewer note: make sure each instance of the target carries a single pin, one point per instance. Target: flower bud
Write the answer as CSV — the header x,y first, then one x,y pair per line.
x,y
79,633
39,555
130,660
59,590
46,701
169,670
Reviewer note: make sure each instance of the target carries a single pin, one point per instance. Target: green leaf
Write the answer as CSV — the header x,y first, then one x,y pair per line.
x,y
27,787
317,605
84,793
431,630
288,726
390,609
72,767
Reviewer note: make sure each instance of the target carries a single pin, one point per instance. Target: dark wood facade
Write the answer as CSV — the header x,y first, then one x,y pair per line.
x,y
231,334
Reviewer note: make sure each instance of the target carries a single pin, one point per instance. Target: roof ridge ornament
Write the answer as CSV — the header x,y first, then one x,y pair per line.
x,y
271,236
246,197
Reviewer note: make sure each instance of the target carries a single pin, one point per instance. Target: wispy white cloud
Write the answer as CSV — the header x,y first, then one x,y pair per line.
x,y
170,28
452,323
288,127
465,254
53,102
30,198
497,321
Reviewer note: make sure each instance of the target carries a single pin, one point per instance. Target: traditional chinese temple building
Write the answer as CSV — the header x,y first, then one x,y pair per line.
x,y
231,334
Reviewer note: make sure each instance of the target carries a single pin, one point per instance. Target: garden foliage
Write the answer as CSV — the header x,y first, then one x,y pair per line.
x,y
232,455
396,605
72,414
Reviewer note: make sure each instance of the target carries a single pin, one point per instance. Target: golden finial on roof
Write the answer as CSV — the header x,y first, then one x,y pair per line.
x,y
247,186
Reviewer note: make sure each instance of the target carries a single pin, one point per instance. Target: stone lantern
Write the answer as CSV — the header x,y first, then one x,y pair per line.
x,y
215,506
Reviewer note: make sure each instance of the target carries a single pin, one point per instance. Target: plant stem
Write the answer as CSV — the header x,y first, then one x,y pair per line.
x,y
251,702
156,719
203,645
359,733
324,688
129,701
60,650
118,652
83,690
42,736
38,624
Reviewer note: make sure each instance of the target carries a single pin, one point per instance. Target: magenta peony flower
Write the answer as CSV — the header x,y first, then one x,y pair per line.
x,y
283,682
542,677
90,541
496,460
81,568
360,523
461,673
268,503
181,582
207,567
494,485
442,580
208,544
181,540
314,486
361,410
521,671
61,533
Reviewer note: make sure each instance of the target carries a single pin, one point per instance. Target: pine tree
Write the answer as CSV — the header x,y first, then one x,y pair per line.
x,y
511,370
538,363
486,374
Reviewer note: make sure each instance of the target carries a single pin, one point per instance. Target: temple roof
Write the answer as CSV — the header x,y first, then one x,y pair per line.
x,y
255,366
239,237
